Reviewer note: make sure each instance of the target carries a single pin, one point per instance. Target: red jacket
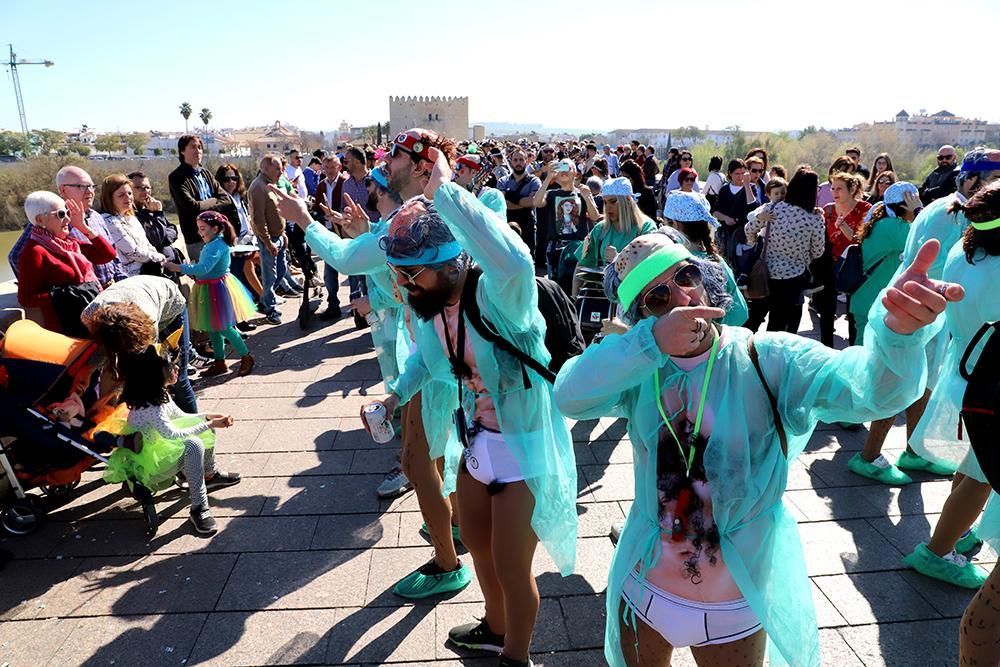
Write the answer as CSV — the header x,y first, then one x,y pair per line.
x,y
39,271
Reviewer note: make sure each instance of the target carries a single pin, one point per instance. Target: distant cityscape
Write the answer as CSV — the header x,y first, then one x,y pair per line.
x,y
449,115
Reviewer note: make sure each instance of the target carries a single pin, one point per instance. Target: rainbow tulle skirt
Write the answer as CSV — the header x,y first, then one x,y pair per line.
x,y
220,303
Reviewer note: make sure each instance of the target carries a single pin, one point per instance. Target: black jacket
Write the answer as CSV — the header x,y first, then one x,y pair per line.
x,y
184,192
939,183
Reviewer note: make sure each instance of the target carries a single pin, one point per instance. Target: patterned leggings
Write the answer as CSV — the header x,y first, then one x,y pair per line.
x,y
219,346
979,638
198,462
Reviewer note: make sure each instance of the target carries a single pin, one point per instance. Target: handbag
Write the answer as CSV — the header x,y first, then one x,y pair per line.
x,y
849,274
756,286
69,301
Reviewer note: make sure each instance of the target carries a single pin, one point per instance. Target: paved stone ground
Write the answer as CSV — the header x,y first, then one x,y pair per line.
x,y
301,568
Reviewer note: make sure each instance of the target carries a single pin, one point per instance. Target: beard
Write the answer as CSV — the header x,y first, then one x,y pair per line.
x,y
429,303
520,171
372,203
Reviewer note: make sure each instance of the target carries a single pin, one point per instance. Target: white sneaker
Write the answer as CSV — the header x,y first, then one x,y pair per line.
x,y
395,484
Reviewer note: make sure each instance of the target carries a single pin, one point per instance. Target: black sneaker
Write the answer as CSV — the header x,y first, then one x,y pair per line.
x,y
202,520
331,314
476,636
273,318
221,480
510,662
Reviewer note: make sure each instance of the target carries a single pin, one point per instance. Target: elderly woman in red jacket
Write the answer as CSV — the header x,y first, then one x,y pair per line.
x,y
51,260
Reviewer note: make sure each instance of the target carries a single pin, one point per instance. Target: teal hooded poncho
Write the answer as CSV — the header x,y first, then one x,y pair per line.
x,y
744,465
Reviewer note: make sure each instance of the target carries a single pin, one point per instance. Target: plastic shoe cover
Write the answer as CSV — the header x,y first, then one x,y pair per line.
x,y
429,580
968,541
913,462
953,568
880,470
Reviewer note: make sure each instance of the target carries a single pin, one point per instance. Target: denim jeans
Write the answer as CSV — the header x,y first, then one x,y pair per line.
x,y
183,391
273,269
332,281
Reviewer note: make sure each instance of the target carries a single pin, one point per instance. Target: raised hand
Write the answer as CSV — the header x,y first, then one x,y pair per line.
x,y
440,175
76,217
290,206
682,331
355,221
914,301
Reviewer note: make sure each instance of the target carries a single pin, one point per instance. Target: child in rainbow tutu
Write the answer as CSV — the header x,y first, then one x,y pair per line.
x,y
218,300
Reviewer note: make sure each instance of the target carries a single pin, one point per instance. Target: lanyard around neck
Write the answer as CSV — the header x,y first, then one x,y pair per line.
x,y
688,457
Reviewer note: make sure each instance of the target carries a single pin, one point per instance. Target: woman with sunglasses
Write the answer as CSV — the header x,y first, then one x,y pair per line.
x,y
676,180
880,184
709,557
229,177
53,263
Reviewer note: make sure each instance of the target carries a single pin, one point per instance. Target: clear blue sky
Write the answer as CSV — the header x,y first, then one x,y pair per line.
x,y
128,65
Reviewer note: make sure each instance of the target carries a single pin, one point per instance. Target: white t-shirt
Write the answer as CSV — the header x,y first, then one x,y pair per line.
x,y
296,173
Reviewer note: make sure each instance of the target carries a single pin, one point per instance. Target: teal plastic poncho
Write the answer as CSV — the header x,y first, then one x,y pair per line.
x,y
935,222
743,460
883,246
605,234
936,436
535,431
364,256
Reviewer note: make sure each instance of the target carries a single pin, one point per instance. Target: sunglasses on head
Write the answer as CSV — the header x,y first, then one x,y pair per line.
x,y
657,299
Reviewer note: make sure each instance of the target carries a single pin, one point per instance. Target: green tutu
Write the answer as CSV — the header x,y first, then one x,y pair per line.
x,y
157,463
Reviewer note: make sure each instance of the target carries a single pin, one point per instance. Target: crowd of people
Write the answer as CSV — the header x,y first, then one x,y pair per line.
x,y
468,263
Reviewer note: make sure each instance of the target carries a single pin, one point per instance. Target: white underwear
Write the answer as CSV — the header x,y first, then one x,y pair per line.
x,y
488,459
687,622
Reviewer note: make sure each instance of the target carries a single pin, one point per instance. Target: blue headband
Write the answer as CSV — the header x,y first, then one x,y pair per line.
x,y
435,255
980,165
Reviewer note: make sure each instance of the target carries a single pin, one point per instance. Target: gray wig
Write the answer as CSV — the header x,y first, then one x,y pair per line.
x,y
713,278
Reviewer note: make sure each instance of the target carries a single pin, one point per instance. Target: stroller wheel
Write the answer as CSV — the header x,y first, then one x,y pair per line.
x,y
59,491
23,516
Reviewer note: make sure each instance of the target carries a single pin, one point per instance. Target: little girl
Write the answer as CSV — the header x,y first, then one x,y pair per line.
x,y
218,301
170,438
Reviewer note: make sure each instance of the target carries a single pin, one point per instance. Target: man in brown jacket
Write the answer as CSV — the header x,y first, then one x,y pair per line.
x,y
269,228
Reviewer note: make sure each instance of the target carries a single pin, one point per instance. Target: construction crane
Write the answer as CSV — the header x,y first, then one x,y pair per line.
x,y
13,64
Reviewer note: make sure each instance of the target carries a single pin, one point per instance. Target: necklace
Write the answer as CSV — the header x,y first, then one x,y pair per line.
x,y
688,456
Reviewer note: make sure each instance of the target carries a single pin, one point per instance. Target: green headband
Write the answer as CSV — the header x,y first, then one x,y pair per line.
x,y
649,268
986,226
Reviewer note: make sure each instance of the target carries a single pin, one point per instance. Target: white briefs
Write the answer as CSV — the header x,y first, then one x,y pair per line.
x,y
489,459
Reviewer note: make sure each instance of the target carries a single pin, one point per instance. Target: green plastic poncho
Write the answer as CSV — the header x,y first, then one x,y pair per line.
x,y
936,436
935,222
743,461
535,431
364,256
884,244
605,234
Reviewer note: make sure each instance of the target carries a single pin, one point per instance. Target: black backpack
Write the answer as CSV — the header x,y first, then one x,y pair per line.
x,y
563,338
981,403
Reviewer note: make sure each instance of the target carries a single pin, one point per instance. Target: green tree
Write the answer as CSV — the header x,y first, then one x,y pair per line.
x,y
106,143
137,142
738,141
205,116
186,112
48,140
157,152
11,143
83,150
688,132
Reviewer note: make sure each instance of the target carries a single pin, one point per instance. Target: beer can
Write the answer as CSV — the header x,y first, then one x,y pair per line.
x,y
379,423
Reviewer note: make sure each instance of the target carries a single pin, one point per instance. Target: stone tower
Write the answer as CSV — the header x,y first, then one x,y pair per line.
x,y
446,115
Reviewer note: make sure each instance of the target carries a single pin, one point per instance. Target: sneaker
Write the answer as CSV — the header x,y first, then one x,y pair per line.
x,y
198,361
968,541
246,326
273,318
394,485
616,531
880,470
454,533
953,568
202,520
510,662
429,579
221,480
331,314
476,636
279,300
914,462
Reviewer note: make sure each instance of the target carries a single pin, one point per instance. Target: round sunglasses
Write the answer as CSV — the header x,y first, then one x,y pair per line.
x,y
657,300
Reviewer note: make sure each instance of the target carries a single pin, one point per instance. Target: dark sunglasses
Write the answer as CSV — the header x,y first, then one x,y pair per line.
x,y
397,149
688,180
884,181
657,300
756,171
944,157
685,158
230,179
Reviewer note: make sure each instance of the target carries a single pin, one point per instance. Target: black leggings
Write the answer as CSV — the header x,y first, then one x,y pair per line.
x,y
782,306
825,301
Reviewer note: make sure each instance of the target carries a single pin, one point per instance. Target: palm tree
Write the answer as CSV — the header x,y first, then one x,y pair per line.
x,y
205,116
186,112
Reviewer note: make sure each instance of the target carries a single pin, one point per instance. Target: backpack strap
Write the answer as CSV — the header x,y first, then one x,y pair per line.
x,y
972,346
782,436
486,330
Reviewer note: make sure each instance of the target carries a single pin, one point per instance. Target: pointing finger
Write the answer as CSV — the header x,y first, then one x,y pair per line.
x,y
695,312
925,257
